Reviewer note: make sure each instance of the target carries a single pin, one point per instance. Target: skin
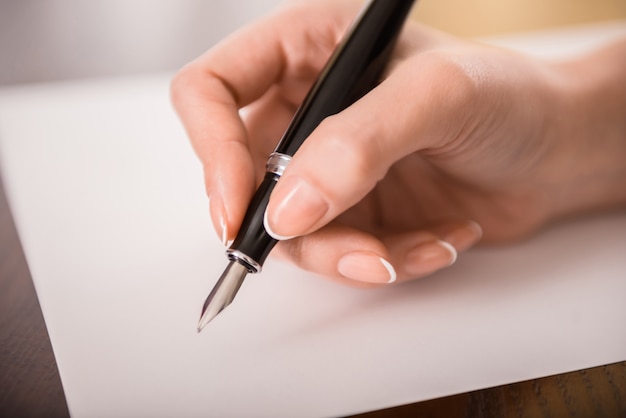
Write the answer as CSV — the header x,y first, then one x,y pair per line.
x,y
459,143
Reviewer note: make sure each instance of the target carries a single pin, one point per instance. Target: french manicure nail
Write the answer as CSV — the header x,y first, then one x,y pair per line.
x,y
218,212
451,250
478,230
295,207
224,231
271,233
366,267
429,257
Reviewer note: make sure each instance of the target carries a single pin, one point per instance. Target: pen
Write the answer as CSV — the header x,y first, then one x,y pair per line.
x,y
353,69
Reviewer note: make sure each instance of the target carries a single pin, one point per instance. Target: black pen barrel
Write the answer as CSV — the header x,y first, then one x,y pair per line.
x,y
354,69
253,243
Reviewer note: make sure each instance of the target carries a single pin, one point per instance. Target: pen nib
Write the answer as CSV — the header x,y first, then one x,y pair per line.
x,y
223,292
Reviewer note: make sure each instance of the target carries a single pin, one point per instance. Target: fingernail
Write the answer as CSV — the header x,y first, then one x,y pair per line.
x,y
295,206
219,213
224,231
429,257
271,233
451,250
465,236
366,267
478,230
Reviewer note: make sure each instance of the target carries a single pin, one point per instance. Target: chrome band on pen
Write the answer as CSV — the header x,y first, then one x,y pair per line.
x,y
251,264
277,163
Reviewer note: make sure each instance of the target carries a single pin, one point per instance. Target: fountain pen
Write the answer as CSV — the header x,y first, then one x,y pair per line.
x,y
353,69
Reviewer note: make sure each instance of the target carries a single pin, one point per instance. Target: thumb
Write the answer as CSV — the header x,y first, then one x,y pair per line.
x,y
341,162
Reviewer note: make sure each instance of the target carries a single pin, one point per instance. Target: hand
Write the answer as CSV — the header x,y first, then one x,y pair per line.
x,y
460,142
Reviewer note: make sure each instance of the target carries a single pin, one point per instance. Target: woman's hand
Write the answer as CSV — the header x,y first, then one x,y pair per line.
x,y
459,142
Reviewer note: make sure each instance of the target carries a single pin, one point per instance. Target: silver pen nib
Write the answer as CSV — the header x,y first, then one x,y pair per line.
x,y
223,293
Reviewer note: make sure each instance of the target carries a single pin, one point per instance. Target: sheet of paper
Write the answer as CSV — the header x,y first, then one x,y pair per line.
x,y
109,202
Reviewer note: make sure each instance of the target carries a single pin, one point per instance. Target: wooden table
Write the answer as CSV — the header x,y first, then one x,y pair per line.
x,y
30,385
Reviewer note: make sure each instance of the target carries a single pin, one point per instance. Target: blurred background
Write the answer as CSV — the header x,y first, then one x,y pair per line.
x,y
47,40
472,18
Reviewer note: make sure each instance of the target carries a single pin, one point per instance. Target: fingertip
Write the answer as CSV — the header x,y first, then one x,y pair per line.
x,y
219,217
476,228
224,232
393,276
270,231
295,208
429,257
461,235
365,266
230,186
453,252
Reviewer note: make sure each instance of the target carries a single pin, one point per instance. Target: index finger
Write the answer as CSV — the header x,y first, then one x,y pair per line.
x,y
290,45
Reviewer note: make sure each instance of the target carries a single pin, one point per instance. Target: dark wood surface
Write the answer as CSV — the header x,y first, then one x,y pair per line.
x,y
30,385
599,392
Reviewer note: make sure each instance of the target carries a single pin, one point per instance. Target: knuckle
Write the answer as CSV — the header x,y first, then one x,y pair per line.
x,y
177,83
447,80
455,79
357,151
181,84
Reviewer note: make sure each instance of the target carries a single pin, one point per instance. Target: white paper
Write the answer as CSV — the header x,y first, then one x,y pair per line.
x,y
110,207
